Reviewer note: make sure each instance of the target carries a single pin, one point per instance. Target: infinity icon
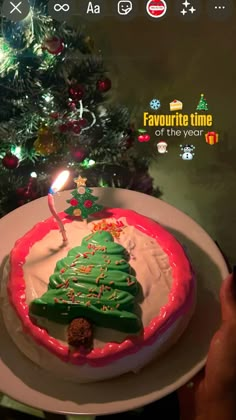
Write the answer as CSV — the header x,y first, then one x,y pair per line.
x,y
59,7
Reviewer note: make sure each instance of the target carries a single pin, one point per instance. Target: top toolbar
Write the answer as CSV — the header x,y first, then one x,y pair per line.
x,y
62,10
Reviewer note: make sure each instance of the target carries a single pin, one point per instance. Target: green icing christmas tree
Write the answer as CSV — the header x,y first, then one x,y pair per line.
x,y
83,202
93,282
202,105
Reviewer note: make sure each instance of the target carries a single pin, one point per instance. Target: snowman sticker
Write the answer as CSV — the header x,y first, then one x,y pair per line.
x,y
187,150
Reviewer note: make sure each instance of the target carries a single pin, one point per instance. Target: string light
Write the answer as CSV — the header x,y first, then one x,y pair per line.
x,y
7,57
102,183
88,163
48,97
17,151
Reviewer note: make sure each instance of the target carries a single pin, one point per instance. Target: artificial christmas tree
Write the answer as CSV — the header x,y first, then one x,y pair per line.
x,y
53,116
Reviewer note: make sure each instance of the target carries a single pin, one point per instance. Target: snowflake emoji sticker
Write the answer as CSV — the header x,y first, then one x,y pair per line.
x,y
155,104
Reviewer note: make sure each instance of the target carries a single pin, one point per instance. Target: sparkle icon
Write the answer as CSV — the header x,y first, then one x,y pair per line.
x,y
188,9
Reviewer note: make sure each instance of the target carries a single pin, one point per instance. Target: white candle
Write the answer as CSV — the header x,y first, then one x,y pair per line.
x,y
57,186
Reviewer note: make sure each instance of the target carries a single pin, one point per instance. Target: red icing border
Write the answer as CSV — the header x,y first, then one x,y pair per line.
x,y
180,298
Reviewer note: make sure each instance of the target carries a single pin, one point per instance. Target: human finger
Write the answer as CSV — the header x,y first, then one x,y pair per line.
x,y
188,396
228,298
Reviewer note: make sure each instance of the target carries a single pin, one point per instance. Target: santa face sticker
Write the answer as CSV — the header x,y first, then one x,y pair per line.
x,y
162,147
156,8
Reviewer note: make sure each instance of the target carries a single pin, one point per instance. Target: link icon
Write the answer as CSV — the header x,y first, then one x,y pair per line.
x,y
61,10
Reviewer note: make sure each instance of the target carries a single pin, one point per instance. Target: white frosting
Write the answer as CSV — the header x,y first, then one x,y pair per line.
x,y
153,272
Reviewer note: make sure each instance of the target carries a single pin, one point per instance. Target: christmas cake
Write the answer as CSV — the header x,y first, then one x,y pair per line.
x,y
117,295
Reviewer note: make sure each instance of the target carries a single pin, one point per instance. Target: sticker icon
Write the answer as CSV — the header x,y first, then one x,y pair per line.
x,y
155,104
124,7
156,8
187,150
162,147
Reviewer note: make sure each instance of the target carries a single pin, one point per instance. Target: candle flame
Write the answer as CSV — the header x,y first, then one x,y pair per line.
x,y
59,182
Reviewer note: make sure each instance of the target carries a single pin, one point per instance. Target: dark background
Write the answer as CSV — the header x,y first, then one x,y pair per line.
x,y
171,59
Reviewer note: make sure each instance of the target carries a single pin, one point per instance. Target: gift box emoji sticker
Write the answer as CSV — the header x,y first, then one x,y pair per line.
x,y
212,137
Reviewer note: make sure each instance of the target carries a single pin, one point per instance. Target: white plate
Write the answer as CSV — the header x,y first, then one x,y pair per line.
x,y
25,382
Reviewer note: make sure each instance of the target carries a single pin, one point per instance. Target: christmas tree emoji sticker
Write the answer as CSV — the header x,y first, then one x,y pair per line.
x,y
92,286
202,104
83,202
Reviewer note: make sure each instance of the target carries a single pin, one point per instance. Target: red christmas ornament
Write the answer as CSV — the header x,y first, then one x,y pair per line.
x,y
73,202
10,161
70,124
104,85
20,191
63,128
27,194
144,138
78,154
83,122
75,126
72,105
76,92
53,45
54,115
34,195
76,129
88,204
21,203
129,142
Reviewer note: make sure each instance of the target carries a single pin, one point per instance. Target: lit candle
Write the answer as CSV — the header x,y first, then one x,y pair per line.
x,y
57,186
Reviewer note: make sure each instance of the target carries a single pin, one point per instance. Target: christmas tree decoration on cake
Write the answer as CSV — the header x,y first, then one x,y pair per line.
x,y
83,202
202,105
91,286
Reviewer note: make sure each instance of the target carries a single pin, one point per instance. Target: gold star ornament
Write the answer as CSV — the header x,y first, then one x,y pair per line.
x,y
80,182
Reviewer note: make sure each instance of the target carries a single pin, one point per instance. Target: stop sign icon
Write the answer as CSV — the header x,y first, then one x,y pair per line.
x,y
156,8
